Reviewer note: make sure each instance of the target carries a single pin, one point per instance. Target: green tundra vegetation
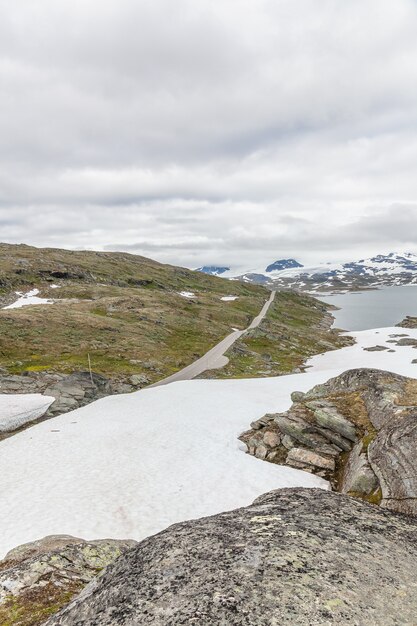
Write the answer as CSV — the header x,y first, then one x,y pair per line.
x,y
296,327
126,313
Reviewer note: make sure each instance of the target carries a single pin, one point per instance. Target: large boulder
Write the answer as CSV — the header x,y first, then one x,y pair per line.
x,y
38,578
294,557
358,430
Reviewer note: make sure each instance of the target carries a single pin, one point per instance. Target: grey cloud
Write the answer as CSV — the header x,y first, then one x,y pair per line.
x,y
314,241
209,132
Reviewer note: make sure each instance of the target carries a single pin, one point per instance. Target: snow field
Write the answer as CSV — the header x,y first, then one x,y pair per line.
x,y
128,466
131,465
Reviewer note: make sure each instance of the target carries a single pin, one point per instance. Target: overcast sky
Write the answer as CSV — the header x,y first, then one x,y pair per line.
x,y
192,131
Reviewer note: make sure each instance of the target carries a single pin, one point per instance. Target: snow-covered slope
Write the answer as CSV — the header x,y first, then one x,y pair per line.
x,y
129,466
16,410
390,269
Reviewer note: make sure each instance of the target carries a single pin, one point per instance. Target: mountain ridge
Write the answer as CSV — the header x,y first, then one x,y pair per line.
x,y
394,268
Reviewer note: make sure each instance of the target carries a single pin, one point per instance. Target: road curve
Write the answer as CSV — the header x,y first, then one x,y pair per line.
x,y
214,358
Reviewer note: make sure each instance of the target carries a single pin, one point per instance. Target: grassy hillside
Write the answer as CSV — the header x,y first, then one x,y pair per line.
x,y
295,328
24,266
123,310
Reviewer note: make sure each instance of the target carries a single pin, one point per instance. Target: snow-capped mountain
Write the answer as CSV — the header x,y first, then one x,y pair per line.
x,y
213,270
384,269
261,274
283,264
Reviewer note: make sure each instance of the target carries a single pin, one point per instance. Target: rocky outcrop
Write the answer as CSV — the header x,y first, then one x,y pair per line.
x,y
38,578
406,342
408,322
70,391
358,430
295,557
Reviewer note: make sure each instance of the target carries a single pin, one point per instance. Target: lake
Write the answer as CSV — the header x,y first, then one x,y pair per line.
x,y
373,309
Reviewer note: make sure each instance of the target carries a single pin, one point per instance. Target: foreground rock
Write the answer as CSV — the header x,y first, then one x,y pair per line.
x,y
38,578
358,430
295,557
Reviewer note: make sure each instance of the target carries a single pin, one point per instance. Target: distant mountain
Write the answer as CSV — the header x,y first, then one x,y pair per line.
x,y
213,270
283,264
384,269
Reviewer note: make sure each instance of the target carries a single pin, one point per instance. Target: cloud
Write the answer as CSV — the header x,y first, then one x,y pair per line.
x,y
228,132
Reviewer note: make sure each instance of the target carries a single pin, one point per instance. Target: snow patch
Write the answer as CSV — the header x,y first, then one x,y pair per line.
x,y
27,299
186,294
229,298
16,410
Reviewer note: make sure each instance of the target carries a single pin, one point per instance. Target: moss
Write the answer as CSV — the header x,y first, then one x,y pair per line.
x,y
368,439
372,498
33,607
99,311
409,397
341,462
375,498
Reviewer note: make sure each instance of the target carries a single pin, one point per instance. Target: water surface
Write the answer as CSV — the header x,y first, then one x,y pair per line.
x,y
375,308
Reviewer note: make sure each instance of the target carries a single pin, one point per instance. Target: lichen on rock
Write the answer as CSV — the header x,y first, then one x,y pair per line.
x,y
358,430
38,578
294,557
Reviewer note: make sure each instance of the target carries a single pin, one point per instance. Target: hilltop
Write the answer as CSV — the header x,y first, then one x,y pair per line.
x,y
132,316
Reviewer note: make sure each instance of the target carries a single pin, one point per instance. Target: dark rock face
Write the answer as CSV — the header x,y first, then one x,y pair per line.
x,y
358,430
296,557
40,577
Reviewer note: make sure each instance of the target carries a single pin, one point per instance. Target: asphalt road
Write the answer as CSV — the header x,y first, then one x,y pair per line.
x,y
214,358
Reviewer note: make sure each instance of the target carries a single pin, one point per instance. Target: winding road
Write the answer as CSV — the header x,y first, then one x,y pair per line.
x,y
214,358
